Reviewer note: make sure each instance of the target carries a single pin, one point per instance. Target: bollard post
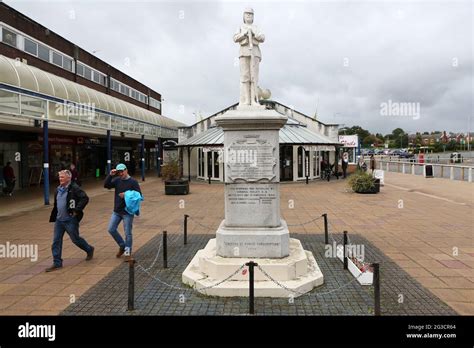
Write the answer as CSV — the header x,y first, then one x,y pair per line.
x,y
345,249
376,284
326,233
131,285
186,229
307,179
209,178
165,250
251,265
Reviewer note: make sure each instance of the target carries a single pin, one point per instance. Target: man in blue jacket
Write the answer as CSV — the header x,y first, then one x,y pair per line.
x,y
119,179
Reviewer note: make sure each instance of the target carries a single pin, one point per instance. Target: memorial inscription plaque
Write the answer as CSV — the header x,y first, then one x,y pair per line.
x,y
251,159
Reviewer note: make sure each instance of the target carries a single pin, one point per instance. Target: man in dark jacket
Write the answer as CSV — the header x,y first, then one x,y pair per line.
x,y
69,203
121,181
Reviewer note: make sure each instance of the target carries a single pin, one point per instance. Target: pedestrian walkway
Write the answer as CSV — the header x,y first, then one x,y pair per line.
x,y
421,224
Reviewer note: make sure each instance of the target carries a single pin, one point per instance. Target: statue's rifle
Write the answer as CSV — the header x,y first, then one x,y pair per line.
x,y
252,78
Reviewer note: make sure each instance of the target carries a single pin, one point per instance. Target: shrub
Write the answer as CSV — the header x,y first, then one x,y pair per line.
x,y
361,181
170,171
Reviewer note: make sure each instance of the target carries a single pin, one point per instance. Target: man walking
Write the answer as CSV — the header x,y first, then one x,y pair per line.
x,y
345,162
69,203
119,179
372,163
9,177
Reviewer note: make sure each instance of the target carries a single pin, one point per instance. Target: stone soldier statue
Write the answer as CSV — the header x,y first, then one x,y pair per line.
x,y
248,37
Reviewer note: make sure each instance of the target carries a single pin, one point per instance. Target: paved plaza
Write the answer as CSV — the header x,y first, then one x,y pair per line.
x,y
421,229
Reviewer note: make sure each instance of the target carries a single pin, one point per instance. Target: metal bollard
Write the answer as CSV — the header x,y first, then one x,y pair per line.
x,y
186,229
326,232
376,284
209,178
307,180
345,250
131,284
165,250
251,265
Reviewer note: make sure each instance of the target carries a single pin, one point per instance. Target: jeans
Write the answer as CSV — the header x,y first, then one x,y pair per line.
x,y
70,226
127,225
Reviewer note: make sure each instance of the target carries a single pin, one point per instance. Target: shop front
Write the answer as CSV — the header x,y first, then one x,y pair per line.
x,y
349,150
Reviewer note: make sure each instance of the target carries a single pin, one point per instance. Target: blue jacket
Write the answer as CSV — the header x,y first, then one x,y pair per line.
x,y
133,200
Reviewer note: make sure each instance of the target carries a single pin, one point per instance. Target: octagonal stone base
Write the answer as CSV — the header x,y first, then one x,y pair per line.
x,y
299,272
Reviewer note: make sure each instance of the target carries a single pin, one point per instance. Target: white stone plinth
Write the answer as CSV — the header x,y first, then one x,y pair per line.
x,y
260,242
299,272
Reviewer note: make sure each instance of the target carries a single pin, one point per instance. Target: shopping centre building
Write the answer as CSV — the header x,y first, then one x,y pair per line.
x,y
60,104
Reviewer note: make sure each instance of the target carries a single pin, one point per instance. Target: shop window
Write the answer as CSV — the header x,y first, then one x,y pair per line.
x,y
9,37
300,162
9,102
31,47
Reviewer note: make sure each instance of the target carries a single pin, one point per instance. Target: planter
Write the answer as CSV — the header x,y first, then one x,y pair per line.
x,y
176,187
375,189
365,277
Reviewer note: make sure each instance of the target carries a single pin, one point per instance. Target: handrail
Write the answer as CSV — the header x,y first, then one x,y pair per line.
x,y
422,164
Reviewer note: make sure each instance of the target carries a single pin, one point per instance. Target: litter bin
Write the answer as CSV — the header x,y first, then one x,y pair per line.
x,y
377,185
428,171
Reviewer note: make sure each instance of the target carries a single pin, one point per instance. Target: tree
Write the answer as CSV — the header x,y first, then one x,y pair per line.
x,y
354,130
380,136
371,139
399,137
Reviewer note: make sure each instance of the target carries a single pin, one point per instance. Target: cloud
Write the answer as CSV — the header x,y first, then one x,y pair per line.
x,y
343,58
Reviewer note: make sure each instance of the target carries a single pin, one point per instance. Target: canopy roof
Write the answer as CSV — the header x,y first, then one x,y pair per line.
x,y
18,74
290,133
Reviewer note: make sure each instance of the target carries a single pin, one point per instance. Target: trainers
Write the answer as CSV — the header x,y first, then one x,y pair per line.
x,y
90,254
120,252
127,258
53,268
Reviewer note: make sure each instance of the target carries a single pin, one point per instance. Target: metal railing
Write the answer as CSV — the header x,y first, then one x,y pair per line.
x,y
446,171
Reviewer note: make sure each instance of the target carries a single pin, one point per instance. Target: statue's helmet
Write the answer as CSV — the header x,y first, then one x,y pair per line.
x,y
247,10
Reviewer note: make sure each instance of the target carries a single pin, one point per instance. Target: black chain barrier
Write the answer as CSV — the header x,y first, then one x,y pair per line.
x,y
147,270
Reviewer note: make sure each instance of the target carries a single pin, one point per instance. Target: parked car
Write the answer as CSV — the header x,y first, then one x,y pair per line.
x,y
395,152
405,154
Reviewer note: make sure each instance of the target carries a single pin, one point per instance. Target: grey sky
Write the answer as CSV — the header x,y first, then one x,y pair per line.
x,y
346,58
